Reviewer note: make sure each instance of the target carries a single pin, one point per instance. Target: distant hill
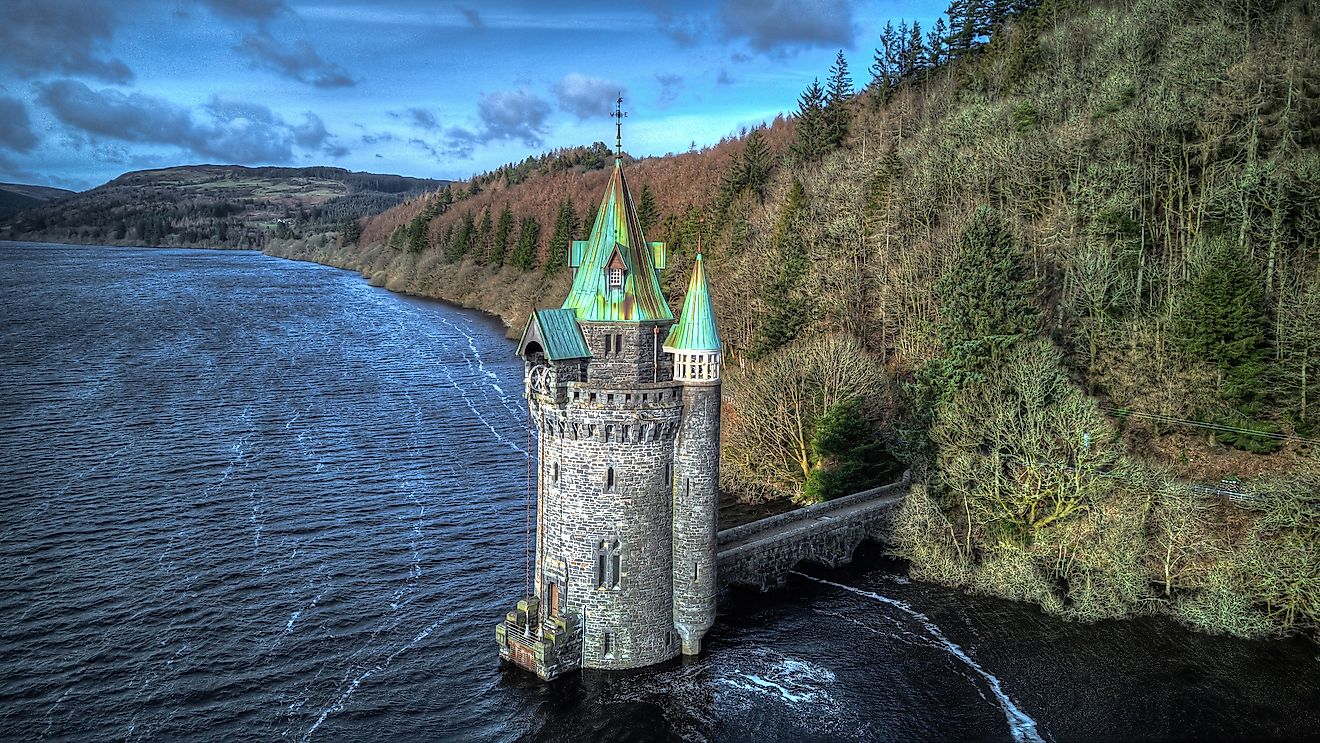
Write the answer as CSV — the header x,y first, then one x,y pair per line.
x,y
15,197
214,206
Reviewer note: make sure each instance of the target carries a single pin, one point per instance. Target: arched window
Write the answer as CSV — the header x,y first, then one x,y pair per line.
x,y
609,564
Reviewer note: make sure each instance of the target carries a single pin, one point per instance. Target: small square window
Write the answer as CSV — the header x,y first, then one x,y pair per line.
x,y
616,278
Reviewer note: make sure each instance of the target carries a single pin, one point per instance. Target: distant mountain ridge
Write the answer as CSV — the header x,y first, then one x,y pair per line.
x,y
213,206
15,197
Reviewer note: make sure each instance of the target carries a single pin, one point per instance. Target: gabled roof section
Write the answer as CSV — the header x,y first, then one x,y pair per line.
x,y
695,329
617,228
557,333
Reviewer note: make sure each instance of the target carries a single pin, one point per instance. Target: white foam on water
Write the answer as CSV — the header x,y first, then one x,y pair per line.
x,y
1020,725
338,706
791,680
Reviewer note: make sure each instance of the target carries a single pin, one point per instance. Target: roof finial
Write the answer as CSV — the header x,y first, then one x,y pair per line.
x,y
618,115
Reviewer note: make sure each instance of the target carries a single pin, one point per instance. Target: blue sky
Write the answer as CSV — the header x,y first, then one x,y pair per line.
x,y
90,89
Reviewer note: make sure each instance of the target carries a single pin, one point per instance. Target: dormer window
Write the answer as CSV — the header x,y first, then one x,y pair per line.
x,y
615,278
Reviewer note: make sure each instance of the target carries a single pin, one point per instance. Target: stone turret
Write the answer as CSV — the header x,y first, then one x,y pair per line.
x,y
694,343
628,460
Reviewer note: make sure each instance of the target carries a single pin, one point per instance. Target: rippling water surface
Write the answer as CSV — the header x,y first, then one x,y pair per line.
x,y
246,498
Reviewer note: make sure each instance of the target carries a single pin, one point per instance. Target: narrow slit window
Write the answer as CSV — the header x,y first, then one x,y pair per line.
x,y
618,342
554,475
669,473
609,477
601,554
696,572
607,645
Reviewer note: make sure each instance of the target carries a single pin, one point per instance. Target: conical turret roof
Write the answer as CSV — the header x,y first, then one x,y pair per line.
x,y
695,329
616,239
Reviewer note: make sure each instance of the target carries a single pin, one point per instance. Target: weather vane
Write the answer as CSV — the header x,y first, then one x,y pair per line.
x,y
618,115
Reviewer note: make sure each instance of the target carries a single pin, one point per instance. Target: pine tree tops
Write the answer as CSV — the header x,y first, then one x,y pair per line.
x,y
823,116
812,126
838,91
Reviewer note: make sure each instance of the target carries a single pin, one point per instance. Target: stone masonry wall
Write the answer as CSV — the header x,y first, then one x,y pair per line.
x,y
763,552
611,421
640,359
696,498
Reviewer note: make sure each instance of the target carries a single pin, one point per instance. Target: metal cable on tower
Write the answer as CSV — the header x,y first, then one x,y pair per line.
x,y
527,541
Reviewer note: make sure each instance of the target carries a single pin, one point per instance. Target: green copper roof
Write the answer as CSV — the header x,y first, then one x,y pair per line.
x,y
558,334
695,329
617,231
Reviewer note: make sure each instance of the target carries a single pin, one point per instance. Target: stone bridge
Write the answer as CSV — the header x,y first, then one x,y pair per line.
x,y
763,552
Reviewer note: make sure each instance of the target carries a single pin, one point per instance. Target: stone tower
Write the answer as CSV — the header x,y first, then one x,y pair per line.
x,y
626,405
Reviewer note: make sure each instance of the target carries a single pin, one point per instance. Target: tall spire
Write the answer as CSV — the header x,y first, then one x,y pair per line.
x,y
695,329
618,115
616,278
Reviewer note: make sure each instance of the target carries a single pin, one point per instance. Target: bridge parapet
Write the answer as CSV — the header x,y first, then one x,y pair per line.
x,y
763,552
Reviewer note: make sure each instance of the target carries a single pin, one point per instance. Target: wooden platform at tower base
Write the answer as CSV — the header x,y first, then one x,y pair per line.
x,y
548,647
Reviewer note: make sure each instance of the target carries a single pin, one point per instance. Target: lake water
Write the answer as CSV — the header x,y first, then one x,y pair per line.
x,y
251,499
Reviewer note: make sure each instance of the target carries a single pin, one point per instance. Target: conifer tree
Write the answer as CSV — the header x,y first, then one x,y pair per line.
x,y
503,231
524,257
812,128
756,164
647,211
838,90
962,29
462,240
884,70
485,234
785,302
936,41
566,224
583,230
914,53
1223,321
987,299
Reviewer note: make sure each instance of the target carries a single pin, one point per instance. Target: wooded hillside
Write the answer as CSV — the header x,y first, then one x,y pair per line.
x,y
213,206
1060,258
